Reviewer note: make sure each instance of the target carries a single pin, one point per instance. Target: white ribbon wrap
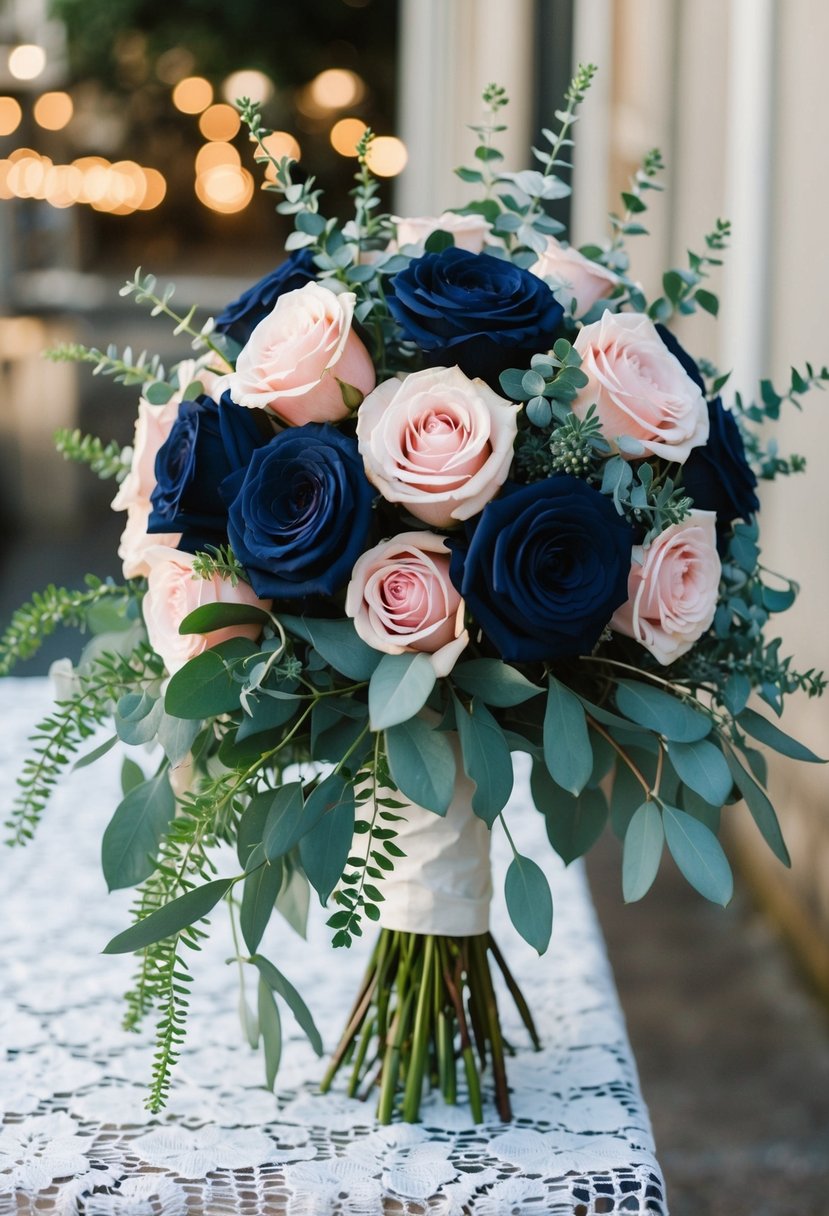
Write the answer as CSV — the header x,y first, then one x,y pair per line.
x,y
444,883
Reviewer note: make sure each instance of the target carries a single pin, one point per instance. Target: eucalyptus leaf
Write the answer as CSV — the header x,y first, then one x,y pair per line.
x,y
567,750
270,1027
494,682
178,914
486,759
422,764
529,901
661,712
762,811
203,688
338,642
324,849
132,775
135,831
209,617
96,754
287,820
575,824
294,899
701,765
766,732
642,852
699,855
258,898
284,988
177,736
399,688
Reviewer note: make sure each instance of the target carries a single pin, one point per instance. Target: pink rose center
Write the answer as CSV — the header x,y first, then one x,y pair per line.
x,y
437,441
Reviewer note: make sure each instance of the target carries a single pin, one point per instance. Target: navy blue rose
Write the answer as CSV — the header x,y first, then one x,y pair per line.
x,y
207,442
474,310
689,365
301,513
545,569
718,476
239,319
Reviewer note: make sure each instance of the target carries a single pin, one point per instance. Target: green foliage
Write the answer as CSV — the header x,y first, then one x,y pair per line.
x,y
764,455
143,288
422,764
699,855
487,760
49,609
221,560
105,460
630,222
529,901
644,839
681,287
141,370
567,750
399,687
133,835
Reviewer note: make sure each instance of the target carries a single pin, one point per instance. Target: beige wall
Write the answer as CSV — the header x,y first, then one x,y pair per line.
x,y
688,75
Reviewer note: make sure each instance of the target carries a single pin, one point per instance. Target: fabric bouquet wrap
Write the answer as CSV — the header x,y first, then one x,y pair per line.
x,y
435,491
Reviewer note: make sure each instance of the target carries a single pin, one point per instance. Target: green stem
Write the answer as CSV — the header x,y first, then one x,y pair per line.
x,y
515,992
422,1026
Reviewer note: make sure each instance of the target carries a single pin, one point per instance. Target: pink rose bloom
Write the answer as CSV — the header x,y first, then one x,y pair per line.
x,y
297,356
136,541
470,232
437,442
174,592
639,388
578,282
401,599
672,588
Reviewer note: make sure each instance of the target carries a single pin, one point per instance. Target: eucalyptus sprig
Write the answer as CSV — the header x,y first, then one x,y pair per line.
x,y
143,288
143,369
683,293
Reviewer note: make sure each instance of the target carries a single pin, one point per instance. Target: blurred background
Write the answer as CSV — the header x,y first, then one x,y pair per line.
x,y
119,146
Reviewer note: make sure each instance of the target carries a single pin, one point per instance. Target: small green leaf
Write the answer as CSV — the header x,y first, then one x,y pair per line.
x,y
284,988
642,852
177,736
661,712
270,1026
494,682
99,751
170,919
324,849
486,759
399,688
762,811
133,834
131,775
529,901
288,820
567,750
209,617
294,899
766,732
203,688
258,898
699,855
422,764
438,240
338,642
701,765
708,301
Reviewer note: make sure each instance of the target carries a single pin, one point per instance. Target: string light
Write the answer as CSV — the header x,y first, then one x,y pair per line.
x,y
26,62
387,156
192,95
346,134
53,111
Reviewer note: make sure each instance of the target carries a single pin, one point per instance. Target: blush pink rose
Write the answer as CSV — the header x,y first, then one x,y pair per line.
x,y
639,388
401,599
578,282
672,588
297,357
136,542
470,232
174,591
437,442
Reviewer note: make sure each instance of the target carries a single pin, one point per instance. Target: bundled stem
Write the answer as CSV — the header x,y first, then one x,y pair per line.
x,y
423,1002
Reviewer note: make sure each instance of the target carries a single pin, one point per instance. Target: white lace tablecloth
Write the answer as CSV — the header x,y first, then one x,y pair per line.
x,y
75,1137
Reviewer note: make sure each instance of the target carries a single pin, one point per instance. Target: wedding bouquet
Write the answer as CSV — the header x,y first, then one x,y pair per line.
x,y
433,492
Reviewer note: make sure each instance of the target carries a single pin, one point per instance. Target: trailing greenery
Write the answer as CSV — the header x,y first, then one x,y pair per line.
x,y
141,370
105,460
50,609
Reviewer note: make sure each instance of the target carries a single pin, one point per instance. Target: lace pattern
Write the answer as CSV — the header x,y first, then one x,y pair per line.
x,y
76,1140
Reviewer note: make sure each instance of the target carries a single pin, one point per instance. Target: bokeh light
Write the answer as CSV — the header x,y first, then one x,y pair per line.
x,y
346,134
26,62
156,190
53,111
336,88
192,95
10,115
173,65
219,122
211,155
387,156
225,188
248,83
